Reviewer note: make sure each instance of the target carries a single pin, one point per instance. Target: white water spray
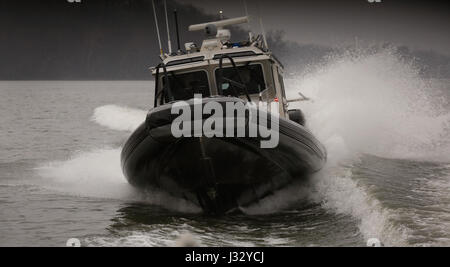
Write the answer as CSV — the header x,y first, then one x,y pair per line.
x,y
119,118
375,104
97,173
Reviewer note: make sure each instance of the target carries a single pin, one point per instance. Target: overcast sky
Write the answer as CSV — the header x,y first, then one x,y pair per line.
x,y
418,24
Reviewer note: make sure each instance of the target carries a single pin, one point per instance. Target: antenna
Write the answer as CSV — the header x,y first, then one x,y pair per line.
x,y
169,44
245,8
263,32
250,34
157,29
262,27
176,28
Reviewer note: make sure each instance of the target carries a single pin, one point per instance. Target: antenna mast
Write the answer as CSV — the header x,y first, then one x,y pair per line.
x,y
176,29
250,34
245,8
157,29
169,44
262,27
263,32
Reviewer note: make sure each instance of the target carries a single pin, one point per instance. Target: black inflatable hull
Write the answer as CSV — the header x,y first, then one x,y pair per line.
x,y
218,174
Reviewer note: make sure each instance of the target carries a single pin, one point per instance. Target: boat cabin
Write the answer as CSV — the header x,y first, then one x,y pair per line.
x,y
245,69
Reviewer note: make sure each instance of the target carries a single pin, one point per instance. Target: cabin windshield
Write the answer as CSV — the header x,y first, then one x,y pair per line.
x,y
251,76
184,85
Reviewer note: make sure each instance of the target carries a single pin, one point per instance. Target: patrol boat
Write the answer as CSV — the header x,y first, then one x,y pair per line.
x,y
221,173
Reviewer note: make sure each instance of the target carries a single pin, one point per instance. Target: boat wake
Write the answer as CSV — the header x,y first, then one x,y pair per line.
x,y
97,173
373,104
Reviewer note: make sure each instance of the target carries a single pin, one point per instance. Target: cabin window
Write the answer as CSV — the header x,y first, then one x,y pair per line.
x,y
251,76
185,85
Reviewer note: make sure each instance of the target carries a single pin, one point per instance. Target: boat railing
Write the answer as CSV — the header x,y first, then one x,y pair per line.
x,y
166,86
